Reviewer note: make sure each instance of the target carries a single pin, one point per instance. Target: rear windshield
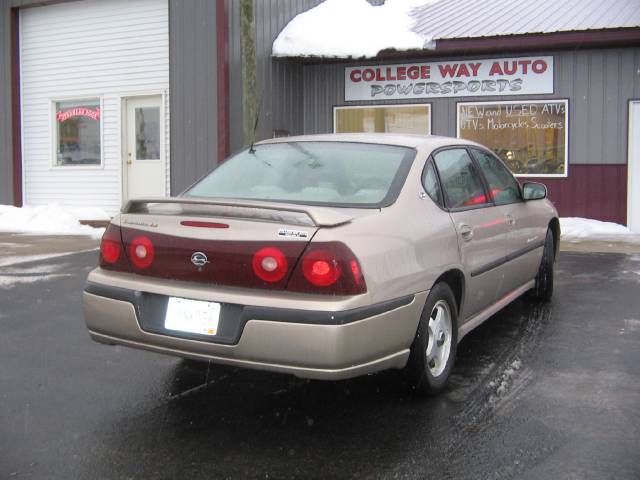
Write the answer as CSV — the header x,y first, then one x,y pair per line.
x,y
314,173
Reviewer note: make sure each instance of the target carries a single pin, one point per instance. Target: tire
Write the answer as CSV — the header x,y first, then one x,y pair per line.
x,y
543,289
428,370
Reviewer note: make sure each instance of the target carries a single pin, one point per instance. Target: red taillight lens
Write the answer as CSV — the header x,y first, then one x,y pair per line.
x,y
321,268
110,246
270,264
141,252
356,272
110,250
329,268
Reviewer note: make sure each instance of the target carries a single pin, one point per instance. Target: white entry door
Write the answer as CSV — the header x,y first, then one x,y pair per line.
x,y
633,168
144,166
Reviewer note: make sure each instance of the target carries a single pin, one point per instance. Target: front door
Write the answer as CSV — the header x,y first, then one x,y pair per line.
x,y
633,169
526,234
144,162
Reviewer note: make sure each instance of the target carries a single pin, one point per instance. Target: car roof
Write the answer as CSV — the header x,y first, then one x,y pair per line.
x,y
405,140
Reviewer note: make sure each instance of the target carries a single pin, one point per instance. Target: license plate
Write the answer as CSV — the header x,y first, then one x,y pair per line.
x,y
192,316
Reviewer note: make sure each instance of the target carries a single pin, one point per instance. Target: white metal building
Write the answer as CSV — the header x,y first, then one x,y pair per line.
x,y
95,110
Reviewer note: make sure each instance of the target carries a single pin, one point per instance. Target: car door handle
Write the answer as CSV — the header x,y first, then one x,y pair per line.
x,y
509,220
466,232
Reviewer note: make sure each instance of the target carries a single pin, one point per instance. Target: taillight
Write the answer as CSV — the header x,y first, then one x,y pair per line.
x,y
110,250
141,252
330,268
110,247
270,264
321,268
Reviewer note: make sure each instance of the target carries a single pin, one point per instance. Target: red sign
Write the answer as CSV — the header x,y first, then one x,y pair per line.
x,y
78,112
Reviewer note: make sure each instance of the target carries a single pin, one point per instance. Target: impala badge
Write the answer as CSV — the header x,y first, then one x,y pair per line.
x,y
199,259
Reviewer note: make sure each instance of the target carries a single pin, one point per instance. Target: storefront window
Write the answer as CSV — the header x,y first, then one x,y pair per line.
x,y
77,132
381,119
530,137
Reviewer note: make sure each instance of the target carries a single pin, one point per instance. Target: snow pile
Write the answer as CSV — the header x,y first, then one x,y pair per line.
x,y
50,220
576,229
351,28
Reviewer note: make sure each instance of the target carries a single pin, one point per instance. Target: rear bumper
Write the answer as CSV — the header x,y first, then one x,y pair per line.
x,y
309,344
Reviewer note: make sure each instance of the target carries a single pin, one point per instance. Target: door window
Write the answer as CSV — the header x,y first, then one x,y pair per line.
x,y
504,188
147,133
460,180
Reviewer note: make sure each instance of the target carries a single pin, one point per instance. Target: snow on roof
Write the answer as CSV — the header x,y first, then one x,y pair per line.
x,y
355,28
351,28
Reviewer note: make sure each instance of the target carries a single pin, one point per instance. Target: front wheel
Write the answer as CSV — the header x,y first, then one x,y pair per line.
x,y
543,289
434,349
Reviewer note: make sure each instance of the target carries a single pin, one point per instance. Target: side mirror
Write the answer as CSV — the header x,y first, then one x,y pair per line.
x,y
534,191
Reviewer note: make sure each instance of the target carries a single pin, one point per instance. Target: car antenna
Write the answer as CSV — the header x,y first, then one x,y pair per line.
x,y
255,125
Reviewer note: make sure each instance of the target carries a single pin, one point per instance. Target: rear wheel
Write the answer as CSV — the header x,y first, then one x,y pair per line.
x,y
434,348
543,289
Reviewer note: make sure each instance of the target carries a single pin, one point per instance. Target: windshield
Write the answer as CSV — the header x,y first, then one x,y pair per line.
x,y
315,173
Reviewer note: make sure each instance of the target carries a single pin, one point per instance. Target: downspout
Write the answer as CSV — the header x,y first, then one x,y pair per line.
x,y
248,68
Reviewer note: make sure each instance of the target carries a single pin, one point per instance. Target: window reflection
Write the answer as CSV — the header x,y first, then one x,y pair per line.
x,y
148,133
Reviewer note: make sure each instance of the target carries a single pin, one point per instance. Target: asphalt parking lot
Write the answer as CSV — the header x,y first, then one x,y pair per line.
x,y
539,391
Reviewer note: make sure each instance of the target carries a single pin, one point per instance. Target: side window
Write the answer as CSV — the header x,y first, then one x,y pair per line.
x,y
430,183
460,180
504,188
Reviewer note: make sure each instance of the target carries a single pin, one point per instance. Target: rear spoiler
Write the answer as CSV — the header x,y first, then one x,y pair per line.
x,y
223,207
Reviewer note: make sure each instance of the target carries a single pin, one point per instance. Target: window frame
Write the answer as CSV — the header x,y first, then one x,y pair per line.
x,y
336,108
53,132
440,202
445,206
471,148
525,101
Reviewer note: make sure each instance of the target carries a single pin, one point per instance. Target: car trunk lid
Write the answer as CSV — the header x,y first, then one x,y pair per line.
x,y
216,241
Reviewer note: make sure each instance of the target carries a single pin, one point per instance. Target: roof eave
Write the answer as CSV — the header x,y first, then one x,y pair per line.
x,y
542,41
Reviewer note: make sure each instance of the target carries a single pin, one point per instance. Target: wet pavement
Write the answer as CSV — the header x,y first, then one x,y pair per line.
x,y
539,391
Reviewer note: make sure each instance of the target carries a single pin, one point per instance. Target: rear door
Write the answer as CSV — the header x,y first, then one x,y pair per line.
x,y
480,227
525,237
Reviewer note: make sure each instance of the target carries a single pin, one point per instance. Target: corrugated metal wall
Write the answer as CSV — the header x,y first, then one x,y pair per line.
x,y
279,82
598,84
6,127
235,78
6,152
193,79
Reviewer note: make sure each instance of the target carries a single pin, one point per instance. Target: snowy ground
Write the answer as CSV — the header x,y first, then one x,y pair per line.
x,y
576,229
50,220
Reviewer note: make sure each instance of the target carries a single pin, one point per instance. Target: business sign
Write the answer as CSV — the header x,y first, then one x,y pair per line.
x,y
65,115
473,78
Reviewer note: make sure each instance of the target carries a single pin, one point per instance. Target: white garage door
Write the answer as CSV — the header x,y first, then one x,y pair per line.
x,y
80,63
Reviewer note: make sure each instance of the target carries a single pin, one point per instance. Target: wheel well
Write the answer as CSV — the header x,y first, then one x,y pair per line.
x,y
554,225
455,280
